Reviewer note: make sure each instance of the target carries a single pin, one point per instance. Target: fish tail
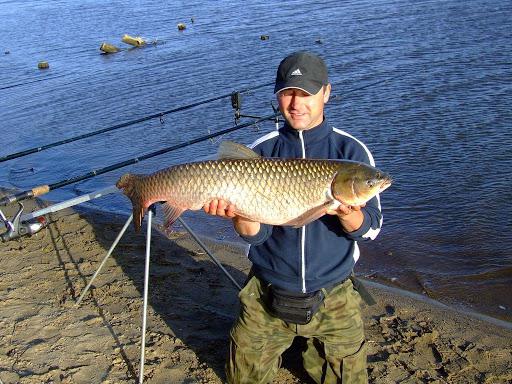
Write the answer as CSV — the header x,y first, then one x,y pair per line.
x,y
130,184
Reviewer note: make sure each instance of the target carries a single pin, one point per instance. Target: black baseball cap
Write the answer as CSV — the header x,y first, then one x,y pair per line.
x,y
303,70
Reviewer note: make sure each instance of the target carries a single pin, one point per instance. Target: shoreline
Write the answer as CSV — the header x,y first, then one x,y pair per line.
x,y
386,284
438,304
363,270
191,308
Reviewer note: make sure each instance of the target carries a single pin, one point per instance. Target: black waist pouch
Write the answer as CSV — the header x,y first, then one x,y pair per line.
x,y
292,307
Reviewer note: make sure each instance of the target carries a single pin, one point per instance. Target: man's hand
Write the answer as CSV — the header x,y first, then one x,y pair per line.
x,y
351,217
222,208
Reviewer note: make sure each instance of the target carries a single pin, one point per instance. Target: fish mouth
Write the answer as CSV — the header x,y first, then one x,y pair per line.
x,y
385,184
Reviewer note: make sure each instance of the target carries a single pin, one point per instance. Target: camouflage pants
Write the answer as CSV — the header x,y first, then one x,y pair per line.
x,y
336,350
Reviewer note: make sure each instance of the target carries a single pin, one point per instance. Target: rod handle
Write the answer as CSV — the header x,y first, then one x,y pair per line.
x,y
40,190
37,191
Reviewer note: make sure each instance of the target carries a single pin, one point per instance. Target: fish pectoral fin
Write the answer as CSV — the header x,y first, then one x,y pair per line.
x,y
232,150
310,215
171,213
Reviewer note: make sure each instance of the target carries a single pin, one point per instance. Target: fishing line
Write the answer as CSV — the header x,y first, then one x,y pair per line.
x,y
386,79
30,82
123,125
42,189
161,114
370,85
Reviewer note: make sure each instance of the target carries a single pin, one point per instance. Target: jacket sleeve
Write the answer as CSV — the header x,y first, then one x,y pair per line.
x,y
372,222
260,237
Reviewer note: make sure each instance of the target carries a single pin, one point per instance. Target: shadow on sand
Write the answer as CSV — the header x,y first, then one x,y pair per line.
x,y
187,292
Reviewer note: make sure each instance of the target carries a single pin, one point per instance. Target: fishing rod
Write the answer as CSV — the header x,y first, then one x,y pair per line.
x,y
31,223
236,102
42,189
125,124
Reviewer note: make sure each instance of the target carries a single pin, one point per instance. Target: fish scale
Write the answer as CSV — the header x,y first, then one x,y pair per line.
x,y
268,190
272,190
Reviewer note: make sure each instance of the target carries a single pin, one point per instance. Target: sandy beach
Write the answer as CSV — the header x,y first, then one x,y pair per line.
x,y
46,338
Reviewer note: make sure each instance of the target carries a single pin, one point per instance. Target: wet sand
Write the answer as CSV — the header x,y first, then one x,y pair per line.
x,y
46,338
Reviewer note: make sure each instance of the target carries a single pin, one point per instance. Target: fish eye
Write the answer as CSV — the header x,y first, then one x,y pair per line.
x,y
370,183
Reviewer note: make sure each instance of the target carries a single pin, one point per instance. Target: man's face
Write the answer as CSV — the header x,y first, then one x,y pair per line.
x,y
301,110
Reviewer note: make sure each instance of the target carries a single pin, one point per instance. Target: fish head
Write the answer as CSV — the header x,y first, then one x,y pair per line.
x,y
355,183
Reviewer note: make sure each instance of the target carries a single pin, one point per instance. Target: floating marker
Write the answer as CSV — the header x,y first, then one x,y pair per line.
x,y
108,48
181,26
264,37
135,41
43,65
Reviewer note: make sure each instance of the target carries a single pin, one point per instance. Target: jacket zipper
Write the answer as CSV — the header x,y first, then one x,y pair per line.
x,y
303,230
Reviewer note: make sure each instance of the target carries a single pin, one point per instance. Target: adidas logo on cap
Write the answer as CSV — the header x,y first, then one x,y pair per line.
x,y
297,72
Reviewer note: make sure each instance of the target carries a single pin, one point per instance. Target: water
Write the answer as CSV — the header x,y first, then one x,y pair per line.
x,y
427,85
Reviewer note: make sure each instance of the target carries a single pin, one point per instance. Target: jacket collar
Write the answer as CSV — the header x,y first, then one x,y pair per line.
x,y
309,135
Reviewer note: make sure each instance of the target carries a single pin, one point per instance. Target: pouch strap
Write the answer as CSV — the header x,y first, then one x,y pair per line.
x,y
359,287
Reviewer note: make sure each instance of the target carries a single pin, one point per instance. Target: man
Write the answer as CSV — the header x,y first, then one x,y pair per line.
x,y
300,280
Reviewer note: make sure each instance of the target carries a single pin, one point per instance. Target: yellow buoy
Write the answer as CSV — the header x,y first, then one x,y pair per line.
x,y
181,26
43,65
135,41
108,48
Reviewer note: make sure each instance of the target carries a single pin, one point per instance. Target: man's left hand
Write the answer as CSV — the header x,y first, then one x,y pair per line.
x,y
351,217
344,210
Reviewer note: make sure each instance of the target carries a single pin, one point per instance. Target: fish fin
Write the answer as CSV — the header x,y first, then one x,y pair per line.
x,y
310,215
232,150
129,184
171,213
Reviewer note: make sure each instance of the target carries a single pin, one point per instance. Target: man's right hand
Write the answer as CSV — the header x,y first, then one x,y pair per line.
x,y
222,208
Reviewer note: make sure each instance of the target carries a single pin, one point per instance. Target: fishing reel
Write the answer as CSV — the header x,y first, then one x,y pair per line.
x,y
17,228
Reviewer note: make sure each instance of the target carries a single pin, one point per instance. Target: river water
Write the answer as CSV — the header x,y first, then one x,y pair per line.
x,y
427,85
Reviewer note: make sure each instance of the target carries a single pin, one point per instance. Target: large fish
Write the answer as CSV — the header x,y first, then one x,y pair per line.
x,y
268,190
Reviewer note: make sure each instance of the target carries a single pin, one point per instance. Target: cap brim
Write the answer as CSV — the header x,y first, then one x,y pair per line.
x,y
311,88
302,89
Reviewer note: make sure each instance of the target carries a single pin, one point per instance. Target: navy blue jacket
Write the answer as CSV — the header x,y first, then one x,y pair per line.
x,y
321,253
